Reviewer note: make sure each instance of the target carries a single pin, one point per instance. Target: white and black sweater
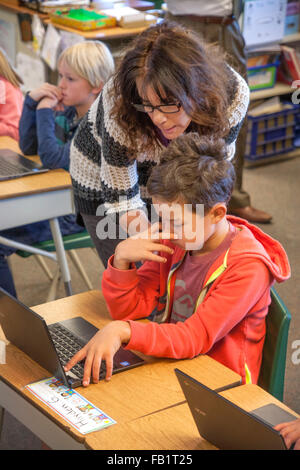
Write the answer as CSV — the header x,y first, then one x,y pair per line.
x,y
100,167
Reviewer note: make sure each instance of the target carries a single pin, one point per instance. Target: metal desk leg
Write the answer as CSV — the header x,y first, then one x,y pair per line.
x,y
61,255
1,419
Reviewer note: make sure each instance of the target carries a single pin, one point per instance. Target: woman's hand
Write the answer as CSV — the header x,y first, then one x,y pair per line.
x,y
142,247
102,346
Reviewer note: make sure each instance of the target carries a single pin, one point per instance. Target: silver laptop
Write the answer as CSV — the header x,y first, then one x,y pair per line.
x,y
228,426
52,346
13,165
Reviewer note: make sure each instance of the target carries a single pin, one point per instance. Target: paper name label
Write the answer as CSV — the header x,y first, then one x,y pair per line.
x,y
70,405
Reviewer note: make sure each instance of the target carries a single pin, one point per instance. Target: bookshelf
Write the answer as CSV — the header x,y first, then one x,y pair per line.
x,y
276,158
291,38
278,89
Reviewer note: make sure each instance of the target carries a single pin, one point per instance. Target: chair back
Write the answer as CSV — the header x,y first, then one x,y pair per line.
x,y
272,370
74,241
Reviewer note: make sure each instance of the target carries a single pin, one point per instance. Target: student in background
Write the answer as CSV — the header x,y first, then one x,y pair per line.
x,y
207,290
50,117
51,114
11,99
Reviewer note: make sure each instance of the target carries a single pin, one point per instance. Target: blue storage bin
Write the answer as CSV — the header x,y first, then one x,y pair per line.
x,y
271,134
262,77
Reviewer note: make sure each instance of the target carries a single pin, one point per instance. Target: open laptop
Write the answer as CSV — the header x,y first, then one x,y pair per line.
x,y
13,165
53,345
228,426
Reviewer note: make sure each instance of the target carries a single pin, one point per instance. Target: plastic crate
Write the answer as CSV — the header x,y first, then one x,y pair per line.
x,y
262,77
271,134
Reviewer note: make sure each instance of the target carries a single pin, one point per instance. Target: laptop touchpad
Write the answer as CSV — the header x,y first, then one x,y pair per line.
x,y
273,414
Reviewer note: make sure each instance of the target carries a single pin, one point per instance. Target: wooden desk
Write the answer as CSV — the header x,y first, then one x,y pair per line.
x,y
137,4
51,181
169,429
46,196
133,394
154,432
109,33
104,34
250,396
13,5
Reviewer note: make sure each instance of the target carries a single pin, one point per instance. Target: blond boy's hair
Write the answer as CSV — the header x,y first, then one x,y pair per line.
x,y
7,71
90,60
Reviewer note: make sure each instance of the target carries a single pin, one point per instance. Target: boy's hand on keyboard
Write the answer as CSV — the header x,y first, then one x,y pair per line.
x,y
102,347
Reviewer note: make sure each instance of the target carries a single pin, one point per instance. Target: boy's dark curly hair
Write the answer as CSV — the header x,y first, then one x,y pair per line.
x,y
193,170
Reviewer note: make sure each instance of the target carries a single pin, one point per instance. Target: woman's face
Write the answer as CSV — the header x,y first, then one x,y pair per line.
x,y
171,125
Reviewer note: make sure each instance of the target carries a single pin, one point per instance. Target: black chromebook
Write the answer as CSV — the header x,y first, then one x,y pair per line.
x,y
228,426
52,346
13,165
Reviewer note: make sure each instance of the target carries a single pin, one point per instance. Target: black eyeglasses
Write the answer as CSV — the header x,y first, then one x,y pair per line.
x,y
163,108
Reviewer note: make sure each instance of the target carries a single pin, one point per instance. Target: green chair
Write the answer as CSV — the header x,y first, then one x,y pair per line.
x,y
71,243
272,370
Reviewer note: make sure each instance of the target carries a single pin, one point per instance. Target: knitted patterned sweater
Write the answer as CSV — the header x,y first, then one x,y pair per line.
x,y
103,175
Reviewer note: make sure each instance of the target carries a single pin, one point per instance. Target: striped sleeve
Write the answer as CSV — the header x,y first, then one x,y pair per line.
x,y
237,111
100,160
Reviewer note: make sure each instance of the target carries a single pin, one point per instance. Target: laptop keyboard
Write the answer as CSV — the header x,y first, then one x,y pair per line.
x,y
66,345
9,169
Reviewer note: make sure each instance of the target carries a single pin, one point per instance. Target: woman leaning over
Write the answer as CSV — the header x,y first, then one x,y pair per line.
x,y
168,82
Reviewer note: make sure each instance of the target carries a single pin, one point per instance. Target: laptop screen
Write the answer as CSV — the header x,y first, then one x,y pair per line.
x,y
28,331
223,423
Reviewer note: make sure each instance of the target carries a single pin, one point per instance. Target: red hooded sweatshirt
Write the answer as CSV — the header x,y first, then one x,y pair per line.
x,y
228,322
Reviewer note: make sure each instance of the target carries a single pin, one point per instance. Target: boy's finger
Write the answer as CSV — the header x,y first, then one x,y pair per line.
x,y
153,257
50,86
96,368
109,367
87,373
76,358
160,247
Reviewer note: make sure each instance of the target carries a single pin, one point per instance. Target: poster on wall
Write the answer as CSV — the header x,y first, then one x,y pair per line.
x,y
263,22
69,39
51,46
8,39
32,70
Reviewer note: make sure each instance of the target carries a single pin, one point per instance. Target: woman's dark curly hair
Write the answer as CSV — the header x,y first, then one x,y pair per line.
x,y
178,66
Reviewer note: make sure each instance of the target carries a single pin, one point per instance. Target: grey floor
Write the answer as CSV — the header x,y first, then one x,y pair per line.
x,y
274,188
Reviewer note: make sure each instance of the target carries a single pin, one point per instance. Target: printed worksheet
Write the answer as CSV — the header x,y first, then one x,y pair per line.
x,y
70,405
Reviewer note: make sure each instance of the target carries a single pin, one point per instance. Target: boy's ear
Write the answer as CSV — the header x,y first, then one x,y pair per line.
x,y
97,90
218,212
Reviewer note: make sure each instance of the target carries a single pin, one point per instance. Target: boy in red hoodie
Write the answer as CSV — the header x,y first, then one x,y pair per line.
x,y
205,294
